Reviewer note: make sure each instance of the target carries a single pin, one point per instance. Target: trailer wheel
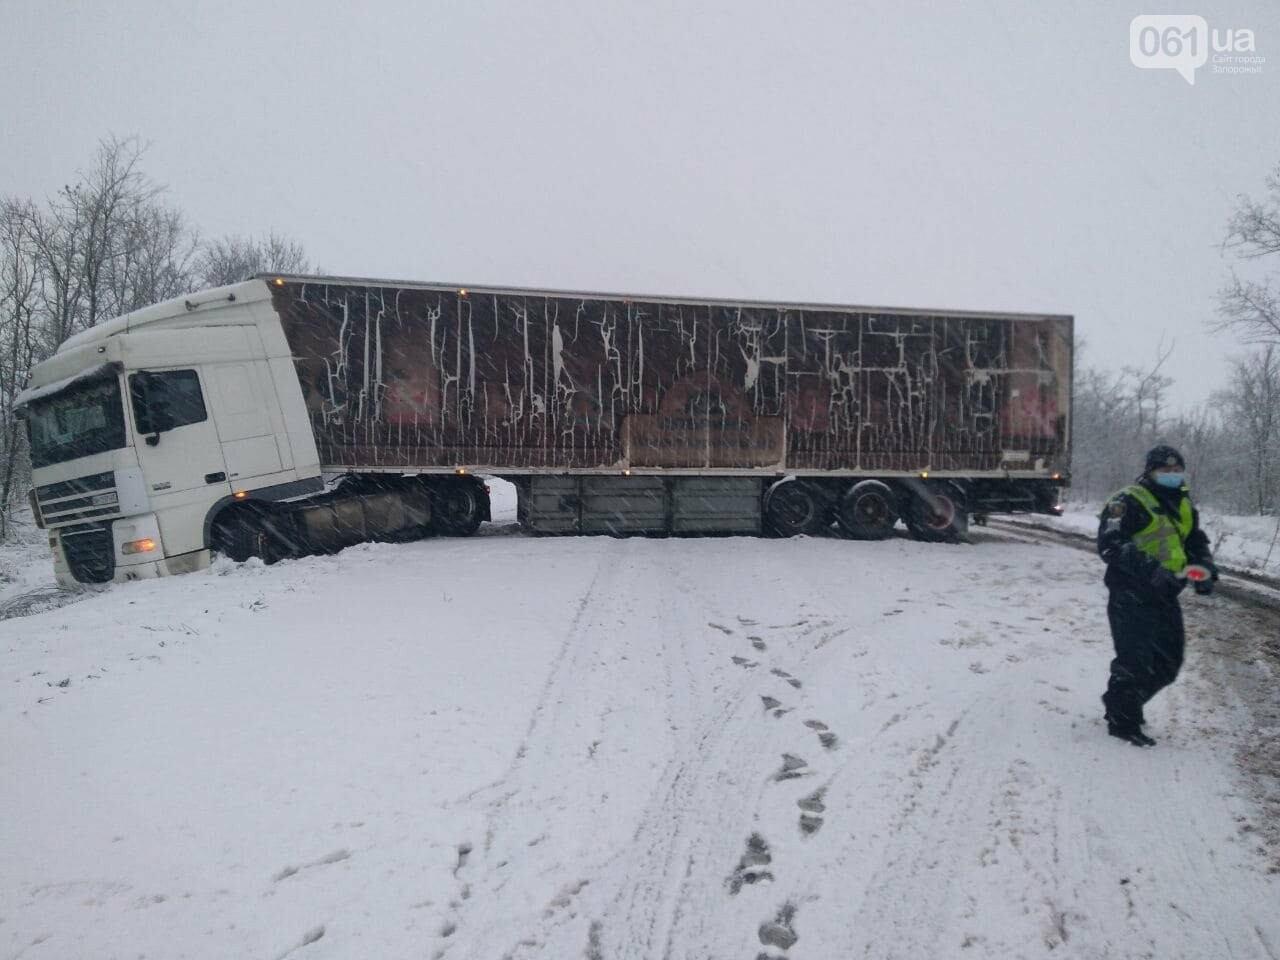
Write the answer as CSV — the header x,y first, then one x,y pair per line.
x,y
457,509
792,508
938,515
867,511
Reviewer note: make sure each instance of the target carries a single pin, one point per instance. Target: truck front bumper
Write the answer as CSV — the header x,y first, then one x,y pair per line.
x,y
129,548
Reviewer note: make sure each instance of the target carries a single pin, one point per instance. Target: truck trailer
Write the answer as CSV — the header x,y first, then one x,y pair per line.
x,y
292,414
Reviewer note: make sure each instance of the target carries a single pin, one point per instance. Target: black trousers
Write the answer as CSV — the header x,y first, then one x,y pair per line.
x,y
1149,641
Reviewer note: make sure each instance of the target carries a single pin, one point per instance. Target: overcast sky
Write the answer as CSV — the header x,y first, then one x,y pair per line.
x,y
990,155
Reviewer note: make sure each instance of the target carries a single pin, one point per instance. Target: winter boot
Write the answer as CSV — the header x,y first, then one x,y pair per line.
x,y
1130,734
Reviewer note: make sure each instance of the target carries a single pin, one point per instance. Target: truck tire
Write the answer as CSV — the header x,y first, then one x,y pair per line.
x,y
792,508
457,509
239,534
940,515
868,511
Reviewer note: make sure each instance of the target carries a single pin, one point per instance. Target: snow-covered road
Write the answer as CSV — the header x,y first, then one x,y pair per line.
x,y
606,749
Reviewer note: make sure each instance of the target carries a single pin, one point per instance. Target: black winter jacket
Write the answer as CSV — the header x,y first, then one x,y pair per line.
x,y
1128,568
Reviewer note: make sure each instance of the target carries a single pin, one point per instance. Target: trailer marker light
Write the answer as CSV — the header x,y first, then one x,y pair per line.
x,y
462,292
240,494
626,473
461,471
138,546
924,474
279,281
1056,476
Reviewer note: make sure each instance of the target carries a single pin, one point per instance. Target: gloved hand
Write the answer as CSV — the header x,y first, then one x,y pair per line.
x,y
1205,587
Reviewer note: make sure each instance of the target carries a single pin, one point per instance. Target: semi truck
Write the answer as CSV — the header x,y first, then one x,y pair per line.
x,y
294,414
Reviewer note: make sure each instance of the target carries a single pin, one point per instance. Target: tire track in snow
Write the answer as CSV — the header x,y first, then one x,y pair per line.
x,y
554,863
778,932
917,865
688,844
688,827
518,778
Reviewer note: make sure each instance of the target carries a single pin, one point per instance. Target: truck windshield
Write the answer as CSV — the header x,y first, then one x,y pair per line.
x,y
85,419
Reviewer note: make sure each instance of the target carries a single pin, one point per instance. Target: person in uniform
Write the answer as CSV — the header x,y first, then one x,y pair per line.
x,y
1148,535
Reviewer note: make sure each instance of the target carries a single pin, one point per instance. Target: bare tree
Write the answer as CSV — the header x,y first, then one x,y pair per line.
x,y
237,258
87,235
19,306
156,258
1115,418
1250,304
1149,389
1253,402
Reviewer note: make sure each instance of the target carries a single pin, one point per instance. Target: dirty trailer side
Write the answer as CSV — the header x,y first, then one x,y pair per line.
x,y
624,414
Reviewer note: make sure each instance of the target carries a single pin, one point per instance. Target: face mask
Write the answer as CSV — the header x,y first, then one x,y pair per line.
x,y
1171,480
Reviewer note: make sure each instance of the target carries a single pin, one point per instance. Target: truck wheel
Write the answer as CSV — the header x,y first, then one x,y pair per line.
x,y
938,516
867,511
240,534
792,508
456,509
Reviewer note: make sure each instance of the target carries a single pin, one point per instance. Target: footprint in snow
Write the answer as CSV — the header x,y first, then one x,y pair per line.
x,y
751,868
744,662
464,851
780,932
721,627
825,736
793,768
757,642
774,705
786,676
811,810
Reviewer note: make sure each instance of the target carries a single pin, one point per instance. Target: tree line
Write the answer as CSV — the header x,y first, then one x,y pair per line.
x,y
103,245
111,242
1232,443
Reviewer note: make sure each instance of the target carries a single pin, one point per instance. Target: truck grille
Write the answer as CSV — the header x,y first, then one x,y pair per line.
x,y
84,498
90,551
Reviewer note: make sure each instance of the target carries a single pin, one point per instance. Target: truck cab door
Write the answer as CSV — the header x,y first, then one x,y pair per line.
x,y
177,442
241,402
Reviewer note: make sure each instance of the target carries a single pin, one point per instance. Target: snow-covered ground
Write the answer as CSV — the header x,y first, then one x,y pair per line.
x,y
596,748
26,568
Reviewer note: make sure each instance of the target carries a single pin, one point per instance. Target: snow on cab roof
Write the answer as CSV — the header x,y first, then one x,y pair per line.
x,y
190,304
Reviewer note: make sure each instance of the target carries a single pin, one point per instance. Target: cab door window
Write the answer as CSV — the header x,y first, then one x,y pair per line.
x,y
166,400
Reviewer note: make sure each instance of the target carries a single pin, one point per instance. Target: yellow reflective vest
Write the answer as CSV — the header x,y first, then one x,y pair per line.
x,y
1164,537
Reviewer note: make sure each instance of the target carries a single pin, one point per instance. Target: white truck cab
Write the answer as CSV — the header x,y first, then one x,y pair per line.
x,y
144,428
